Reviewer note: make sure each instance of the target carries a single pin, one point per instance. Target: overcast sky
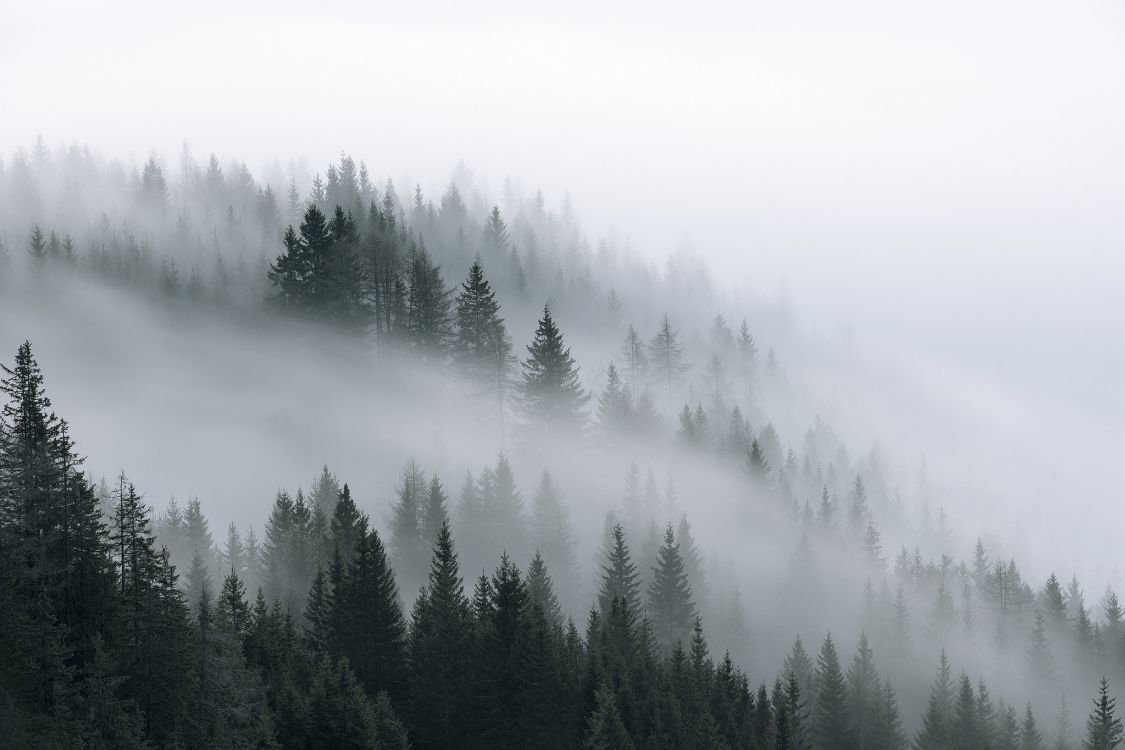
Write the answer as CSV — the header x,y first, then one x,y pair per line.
x,y
945,173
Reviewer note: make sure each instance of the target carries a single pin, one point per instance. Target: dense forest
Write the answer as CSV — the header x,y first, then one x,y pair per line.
x,y
642,560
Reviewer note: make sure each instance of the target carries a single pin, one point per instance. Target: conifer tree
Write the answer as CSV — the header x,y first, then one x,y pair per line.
x,y
371,629
407,545
438,650
1030,736
619,576
541,591
434,514
552,536
864,696
634,358
1103,728
830,717
551,392
1040,661
37,248
604,728
614,406
936,730
670,604
666,354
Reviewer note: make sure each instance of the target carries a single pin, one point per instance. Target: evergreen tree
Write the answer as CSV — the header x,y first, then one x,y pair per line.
x,y
830,717
407,544
864,697
614,406
936,730
370,626
551,392
635,358
540,591
37,248
669,596
666,353
1103,728
1030,736
604,728
438,650
482,347
552,536
619,576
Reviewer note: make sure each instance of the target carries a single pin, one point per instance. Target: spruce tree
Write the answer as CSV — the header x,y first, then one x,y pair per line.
x,y
551,393
438,652
482,348
540,590
619,576
1030,736
371,629
670,604
936,730
830,717
1103,728
864,696
604,728
552,536
666,354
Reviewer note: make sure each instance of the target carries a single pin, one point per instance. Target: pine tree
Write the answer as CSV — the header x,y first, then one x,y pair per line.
x,y
670,604
552,536
37,248
936,730
434,514
551,392
887,733
864,697
408,548
1040,662
339,712
614,406
540,591
482,348
495,237
635,358
429,315
830,717
1103,728
965,727
619,576
371,629
604,728
503,505
438,649
1030,736
666,353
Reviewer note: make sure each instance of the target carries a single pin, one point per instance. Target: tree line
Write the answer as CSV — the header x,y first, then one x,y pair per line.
x,y
106,647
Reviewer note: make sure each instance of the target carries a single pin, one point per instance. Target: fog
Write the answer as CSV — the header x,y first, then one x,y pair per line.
x,y
917,209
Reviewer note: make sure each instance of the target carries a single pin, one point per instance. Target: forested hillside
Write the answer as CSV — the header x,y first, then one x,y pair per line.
x,y
626,509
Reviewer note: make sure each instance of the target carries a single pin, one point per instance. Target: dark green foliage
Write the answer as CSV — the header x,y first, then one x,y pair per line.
x,y
830,715
619,576
369,625
551,393
438,653
482,347
605,730
670,605
1103,727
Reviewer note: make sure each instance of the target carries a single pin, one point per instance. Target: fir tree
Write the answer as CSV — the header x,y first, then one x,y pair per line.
x,y
551,392
1103,728
830,717
670,603
619,576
